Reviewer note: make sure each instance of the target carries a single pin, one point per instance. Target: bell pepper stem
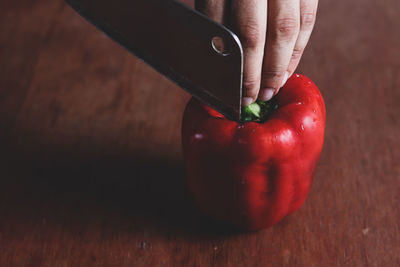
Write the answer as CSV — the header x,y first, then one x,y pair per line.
x,y
258,111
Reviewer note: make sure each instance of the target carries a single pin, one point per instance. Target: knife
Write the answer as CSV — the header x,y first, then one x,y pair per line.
x,y
178,42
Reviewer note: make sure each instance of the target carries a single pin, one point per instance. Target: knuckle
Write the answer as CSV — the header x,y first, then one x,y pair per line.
x,y
297,54
250,34
307,19
251,85
272,74
286,29
271,78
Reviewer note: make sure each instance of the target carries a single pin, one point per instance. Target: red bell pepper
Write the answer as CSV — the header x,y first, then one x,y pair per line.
x,y
253,174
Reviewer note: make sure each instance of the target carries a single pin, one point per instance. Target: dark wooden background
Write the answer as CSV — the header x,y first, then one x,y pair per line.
x,y
91,168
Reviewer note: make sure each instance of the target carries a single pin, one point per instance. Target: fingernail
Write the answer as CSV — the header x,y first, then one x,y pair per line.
x,y
285,78
266,94
247,101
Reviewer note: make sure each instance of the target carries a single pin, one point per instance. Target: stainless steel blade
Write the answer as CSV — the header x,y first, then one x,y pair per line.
x,y
177,41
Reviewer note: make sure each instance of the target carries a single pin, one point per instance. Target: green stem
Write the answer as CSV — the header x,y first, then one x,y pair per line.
x,y
259,111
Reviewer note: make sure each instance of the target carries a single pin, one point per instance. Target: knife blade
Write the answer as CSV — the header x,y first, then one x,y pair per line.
x,y
177,41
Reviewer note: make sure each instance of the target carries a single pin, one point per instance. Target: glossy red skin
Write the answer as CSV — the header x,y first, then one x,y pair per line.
x,y
254,174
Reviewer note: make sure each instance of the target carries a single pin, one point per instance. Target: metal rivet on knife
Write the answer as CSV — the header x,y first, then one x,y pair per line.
x,y
220,46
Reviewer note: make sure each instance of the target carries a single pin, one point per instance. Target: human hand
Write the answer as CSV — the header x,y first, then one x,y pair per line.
x,y
273,34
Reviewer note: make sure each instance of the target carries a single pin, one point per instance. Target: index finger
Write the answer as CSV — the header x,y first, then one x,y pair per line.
x,y
249,21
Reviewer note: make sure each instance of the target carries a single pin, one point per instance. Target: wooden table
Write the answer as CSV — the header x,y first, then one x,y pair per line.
x,y
91,169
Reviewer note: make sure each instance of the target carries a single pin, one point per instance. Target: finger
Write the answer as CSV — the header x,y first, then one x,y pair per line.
x,y
282,32
308,11
213,9
249,21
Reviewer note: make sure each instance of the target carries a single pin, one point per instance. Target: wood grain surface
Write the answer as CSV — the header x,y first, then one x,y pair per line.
x,y
91,169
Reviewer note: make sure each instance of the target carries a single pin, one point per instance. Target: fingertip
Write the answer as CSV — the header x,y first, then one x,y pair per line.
x,y
266,94
247,101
